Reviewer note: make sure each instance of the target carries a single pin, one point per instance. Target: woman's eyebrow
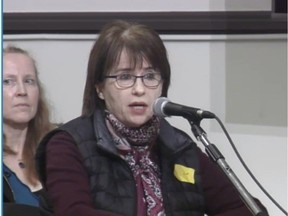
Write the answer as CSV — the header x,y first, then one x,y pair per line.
x,y
149,68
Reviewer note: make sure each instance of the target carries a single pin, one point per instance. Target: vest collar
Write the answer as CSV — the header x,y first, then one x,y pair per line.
x,y
170,140
103,136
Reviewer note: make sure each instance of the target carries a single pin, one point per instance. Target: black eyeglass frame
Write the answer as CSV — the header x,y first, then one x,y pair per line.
x,y
134,80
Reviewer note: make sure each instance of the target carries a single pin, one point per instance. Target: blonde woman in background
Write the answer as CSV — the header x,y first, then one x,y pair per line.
x,y
25,122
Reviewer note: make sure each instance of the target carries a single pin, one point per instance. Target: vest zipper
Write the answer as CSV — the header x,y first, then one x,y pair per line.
x,y
127,166
135,186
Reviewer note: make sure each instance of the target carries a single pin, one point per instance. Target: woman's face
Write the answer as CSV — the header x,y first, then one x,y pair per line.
x,y
20,89
133,106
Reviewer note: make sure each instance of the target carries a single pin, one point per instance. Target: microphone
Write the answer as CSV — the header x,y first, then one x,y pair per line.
x,y
163,107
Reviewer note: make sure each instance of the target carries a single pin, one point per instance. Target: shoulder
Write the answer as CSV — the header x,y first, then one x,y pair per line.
x,y
75,128
175,139
79,128
167,131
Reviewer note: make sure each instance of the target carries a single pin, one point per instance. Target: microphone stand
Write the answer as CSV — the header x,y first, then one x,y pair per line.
x,y
217,157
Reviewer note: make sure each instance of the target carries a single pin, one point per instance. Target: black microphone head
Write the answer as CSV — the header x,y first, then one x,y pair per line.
x,y
158,107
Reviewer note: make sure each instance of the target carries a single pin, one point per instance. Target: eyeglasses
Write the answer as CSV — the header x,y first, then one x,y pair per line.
x,y
127,80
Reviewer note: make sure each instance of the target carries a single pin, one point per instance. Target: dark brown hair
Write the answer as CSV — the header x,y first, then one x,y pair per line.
x,y
139,41
37,127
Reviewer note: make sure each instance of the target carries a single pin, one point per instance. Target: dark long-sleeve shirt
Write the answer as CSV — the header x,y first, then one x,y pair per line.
x,y
69,190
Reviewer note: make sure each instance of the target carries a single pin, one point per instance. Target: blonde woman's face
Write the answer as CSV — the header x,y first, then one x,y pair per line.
x,y
133,106
20,89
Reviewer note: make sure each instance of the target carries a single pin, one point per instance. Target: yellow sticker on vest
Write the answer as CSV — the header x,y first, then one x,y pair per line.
x,y
184,174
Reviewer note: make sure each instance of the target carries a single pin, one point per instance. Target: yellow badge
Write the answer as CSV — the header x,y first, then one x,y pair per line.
x,y
184,174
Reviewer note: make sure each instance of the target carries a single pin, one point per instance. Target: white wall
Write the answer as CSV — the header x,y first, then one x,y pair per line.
x,y
134,5
199,78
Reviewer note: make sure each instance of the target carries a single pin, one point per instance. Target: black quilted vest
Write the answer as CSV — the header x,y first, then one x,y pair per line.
x,y
111,180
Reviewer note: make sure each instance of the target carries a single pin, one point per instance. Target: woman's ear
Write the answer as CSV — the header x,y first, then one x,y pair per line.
x,y
99,91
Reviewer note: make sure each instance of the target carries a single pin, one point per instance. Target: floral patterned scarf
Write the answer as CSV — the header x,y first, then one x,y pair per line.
x,y
134,145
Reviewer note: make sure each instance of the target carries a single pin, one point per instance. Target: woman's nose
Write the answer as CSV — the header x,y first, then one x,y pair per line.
x,y
21,89
138,87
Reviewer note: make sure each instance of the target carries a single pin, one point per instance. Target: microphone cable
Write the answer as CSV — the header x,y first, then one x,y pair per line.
x,y
246,167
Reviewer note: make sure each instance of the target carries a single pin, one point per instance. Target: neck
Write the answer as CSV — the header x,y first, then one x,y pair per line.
x,y
14,137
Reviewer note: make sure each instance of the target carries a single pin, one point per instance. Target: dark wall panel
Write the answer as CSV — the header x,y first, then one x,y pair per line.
x,y
253,22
